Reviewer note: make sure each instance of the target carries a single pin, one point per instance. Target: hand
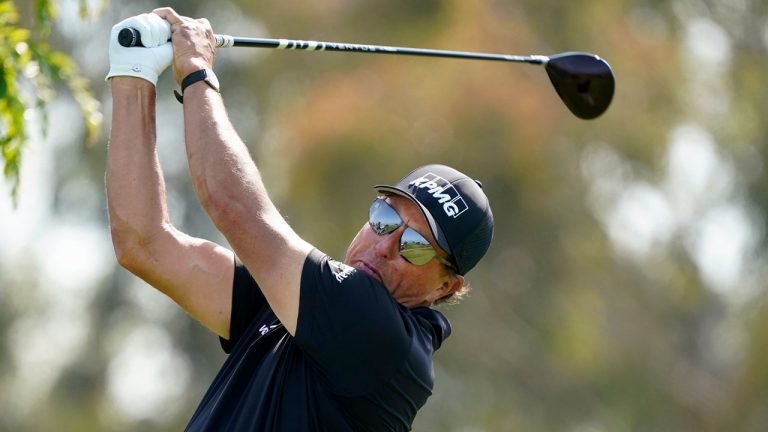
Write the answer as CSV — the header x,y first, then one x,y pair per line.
x,y
194,45
147,63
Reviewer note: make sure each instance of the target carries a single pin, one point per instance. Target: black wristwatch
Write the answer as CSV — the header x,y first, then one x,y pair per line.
x,y
206,75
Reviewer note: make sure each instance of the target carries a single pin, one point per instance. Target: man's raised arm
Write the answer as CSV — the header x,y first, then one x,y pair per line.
x,y
195,273
227,181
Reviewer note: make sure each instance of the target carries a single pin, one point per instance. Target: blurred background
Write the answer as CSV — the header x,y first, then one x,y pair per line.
x,y
626,286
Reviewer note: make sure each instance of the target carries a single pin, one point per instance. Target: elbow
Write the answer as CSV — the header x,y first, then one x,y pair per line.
x,y
130,248
125,249
231,198
225,211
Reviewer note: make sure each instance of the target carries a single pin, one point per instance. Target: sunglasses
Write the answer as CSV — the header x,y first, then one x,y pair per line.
x,y
414,248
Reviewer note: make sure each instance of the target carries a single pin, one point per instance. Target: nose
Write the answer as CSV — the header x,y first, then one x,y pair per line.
x,y
388,245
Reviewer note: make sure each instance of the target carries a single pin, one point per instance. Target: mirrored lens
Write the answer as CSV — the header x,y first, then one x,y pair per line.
x,y
382,218
415,248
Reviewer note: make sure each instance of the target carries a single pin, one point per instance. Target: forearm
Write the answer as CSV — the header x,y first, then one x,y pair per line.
x,y
232,193
225,178
135,186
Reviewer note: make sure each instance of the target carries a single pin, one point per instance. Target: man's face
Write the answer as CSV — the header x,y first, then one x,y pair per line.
x,y
379,257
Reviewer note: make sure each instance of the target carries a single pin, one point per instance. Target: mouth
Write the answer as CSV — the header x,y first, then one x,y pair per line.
x,y
370,270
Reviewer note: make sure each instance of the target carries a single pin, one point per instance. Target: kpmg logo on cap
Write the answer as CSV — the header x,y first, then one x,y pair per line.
x,y
443,191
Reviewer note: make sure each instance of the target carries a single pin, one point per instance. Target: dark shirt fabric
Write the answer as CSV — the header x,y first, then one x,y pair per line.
x,y
359,361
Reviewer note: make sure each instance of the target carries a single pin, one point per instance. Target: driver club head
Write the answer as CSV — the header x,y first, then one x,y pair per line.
x,y
583,81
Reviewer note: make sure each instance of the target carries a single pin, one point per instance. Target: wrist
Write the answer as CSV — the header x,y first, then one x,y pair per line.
x,y
205,75
131,82
192,65
147,74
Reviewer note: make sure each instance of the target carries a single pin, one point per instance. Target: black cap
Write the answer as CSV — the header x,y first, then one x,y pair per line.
x,y
457,211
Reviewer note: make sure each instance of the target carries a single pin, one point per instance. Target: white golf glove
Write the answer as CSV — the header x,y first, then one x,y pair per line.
x,y
149,62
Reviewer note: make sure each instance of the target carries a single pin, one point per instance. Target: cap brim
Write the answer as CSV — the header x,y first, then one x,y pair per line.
x,y
434,228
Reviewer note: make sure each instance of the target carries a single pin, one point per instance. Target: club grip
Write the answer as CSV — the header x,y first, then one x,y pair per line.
x,y
130,37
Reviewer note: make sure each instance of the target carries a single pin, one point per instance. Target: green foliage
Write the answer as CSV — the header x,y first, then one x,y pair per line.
x,y
30,71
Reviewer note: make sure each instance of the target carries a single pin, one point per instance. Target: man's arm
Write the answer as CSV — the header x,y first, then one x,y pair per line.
x,y
227,181
195,273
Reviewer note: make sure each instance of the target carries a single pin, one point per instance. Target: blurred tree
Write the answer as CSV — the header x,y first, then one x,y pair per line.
x,y
30,69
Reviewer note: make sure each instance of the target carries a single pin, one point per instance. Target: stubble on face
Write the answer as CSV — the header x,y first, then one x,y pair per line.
x,y
379,258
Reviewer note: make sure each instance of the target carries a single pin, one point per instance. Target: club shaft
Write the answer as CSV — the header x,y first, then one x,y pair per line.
x,y
226,41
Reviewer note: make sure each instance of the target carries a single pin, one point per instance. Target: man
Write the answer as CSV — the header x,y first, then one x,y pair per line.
x,y
314,344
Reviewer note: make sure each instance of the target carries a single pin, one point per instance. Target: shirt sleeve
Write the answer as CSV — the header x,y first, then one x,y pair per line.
x,y
247,301
349,325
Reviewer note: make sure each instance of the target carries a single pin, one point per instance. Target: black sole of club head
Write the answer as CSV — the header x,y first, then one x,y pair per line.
x,y
584,82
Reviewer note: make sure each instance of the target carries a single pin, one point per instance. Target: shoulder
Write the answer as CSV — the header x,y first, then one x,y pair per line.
x,y
325,279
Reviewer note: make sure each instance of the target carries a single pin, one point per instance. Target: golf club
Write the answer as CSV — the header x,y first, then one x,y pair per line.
x,y
584,81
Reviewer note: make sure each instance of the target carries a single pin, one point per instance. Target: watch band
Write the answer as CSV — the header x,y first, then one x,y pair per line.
x,y
206,75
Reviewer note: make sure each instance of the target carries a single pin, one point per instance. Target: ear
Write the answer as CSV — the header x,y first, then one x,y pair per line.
x,y
450,285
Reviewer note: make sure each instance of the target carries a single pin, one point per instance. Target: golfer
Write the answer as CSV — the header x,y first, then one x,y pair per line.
x,y
314,344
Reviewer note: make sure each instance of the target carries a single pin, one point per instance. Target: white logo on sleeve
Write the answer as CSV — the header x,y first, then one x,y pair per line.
x,y
264,329
444,192
340,270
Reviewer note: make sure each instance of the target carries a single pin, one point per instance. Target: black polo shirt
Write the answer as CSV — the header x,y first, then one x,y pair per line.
x,y
359,361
